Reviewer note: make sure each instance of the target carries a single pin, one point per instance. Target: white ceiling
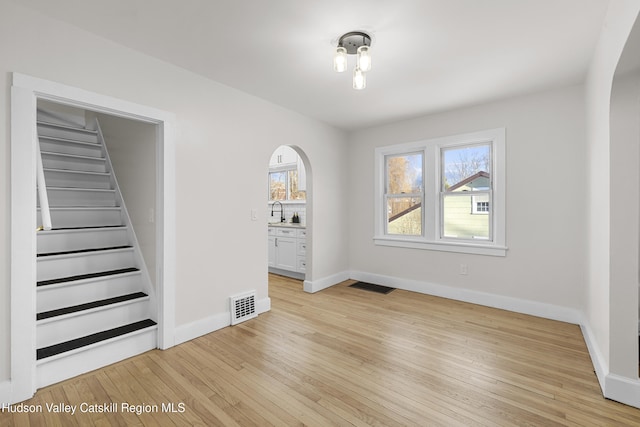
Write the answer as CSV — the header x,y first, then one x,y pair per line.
x,y
428,55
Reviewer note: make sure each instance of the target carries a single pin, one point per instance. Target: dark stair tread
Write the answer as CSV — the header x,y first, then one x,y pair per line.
x,y
79,251
86,276
89,305
63,347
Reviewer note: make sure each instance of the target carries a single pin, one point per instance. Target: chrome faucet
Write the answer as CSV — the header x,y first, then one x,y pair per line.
x,y
281,210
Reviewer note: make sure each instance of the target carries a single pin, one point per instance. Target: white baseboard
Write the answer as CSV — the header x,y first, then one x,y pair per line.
x,y
325,282
209,324
615,387
5,393
622,389
600,365
547,311
263,305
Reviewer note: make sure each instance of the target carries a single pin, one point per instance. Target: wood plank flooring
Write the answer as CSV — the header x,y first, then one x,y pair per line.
x,y
349,357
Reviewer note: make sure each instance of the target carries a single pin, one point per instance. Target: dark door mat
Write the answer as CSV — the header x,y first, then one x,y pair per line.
x,y
371,287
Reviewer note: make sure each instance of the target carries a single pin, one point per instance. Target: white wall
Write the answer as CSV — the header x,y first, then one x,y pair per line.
x,y
132,150
599,306
223,136
545,202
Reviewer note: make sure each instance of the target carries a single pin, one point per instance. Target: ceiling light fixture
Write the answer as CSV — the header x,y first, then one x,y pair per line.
x,y
354,43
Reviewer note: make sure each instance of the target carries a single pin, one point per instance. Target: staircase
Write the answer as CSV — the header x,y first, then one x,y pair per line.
x,y
94,299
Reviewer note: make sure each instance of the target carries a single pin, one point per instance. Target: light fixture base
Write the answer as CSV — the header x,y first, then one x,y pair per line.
x,y
353,40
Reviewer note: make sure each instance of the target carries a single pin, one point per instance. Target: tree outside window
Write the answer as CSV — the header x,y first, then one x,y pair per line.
x,y
404,194
444,194
283,185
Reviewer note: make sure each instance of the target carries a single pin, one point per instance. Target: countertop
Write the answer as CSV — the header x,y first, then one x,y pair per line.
x,y
286,225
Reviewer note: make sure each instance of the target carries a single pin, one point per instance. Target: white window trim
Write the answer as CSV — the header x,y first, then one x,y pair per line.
x,y
431,239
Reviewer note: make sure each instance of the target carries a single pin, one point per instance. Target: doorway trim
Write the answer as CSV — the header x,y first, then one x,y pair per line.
x,y
25,92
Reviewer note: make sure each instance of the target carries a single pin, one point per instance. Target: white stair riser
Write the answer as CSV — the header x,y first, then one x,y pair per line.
x,y
62,178
55,370
55,132
50,332
80,197
70,147
53,297
71,240
55,161
84,217
57,266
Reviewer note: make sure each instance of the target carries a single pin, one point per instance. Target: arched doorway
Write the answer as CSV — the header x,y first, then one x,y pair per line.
x,y
289,213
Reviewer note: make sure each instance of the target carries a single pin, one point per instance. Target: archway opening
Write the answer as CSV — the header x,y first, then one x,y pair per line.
x,y
289,213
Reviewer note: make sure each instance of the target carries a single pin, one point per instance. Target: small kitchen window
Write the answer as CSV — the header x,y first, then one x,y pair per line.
x,y
284,185
278,185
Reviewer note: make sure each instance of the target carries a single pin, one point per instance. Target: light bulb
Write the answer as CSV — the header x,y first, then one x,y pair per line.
x,y
364,58
340,59
359,79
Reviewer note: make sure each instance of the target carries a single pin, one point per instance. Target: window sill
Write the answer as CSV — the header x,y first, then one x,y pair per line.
x,y
465,248
288,202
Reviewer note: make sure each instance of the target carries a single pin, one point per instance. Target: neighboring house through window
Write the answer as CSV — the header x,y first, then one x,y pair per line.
x,y
443,194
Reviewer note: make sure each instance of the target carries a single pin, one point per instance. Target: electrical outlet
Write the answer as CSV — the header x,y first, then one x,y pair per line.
x,y
254,215
463,269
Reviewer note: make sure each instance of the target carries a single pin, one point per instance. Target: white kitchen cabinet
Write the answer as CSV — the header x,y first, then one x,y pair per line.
x,y
287,248
286,253
283,156
301,238
272,248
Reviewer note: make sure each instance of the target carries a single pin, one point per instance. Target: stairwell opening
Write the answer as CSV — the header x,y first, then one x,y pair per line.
x,y
95,296
72,111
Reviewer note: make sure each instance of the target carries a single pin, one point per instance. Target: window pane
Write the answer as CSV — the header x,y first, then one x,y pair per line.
x,y
295,194
278,186
404,216
404,174
466,168
460,219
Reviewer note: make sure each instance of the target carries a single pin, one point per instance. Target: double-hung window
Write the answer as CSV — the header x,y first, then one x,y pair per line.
x,y
443,194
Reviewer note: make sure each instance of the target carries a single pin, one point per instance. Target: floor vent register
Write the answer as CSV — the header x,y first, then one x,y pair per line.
x,y
243,307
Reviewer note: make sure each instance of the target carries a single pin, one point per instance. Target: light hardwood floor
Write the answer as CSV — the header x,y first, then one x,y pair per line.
x,y
345,356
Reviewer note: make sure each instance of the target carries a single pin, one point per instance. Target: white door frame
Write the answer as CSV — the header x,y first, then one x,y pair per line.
x,y
25,92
